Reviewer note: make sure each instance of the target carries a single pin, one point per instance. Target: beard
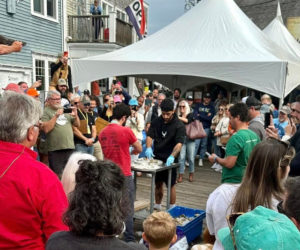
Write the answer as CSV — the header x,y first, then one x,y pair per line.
x,y
64,94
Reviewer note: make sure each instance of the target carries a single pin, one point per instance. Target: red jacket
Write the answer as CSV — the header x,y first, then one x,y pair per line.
x,y
32,199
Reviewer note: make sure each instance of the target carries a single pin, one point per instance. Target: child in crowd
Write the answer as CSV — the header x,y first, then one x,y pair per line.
x,y
159,231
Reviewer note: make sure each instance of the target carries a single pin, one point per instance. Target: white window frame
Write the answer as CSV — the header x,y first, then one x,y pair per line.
x,y
107,4
124,12
46,59
45,16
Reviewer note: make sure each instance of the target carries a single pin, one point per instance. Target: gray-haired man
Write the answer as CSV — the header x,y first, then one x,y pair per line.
x,y
32,198
58,128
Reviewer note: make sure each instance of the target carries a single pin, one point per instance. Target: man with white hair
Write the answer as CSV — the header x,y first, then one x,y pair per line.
x,y
155,111
58,128
32,198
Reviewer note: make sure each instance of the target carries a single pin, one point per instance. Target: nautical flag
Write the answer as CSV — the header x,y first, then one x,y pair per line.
x,y
136,14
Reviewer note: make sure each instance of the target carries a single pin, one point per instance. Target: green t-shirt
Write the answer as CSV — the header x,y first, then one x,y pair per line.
x,y
61,136
240,145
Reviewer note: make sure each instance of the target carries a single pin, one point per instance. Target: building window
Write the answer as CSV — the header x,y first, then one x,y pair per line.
x,y
106,8
121,15
45,8
42,70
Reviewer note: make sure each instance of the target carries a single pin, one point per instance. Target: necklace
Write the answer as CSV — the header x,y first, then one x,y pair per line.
x,y
87,121
12,163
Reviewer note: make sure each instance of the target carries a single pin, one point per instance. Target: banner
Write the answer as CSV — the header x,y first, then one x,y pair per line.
x,y
136,14
293,25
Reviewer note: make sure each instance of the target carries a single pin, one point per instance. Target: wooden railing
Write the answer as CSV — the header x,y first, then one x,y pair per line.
x,y
123,33
88,28
99,28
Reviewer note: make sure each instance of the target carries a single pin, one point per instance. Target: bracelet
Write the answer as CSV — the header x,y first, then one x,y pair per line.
x,y
215,159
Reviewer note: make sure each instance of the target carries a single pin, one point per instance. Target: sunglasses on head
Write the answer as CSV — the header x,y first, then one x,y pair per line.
x,y
280,208
231,219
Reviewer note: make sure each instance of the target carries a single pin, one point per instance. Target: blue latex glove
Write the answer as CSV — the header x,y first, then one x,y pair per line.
x,y
149,153
170,160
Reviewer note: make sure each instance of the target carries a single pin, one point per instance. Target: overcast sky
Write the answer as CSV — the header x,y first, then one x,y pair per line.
x,y
163,12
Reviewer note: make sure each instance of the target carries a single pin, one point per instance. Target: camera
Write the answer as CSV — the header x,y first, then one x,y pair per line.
x,y
68,110
86,92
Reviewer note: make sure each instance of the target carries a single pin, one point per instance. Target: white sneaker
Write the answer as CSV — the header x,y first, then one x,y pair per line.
x,y
200,163
172,205
186,163
157,207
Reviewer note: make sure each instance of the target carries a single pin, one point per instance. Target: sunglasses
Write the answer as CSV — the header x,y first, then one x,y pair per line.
x,y
231,219
87,104
280,208
182,107
106,100
75,103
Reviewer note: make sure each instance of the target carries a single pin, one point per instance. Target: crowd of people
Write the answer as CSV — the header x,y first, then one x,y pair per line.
x,y
85,198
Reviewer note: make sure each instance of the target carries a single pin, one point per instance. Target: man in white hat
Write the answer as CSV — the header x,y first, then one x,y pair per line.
x,y
283,120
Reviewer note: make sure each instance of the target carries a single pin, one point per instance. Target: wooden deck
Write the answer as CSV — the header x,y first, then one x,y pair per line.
x,y
189,194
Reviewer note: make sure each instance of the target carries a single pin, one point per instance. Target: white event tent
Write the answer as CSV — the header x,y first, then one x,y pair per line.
x,y
214,40
278,33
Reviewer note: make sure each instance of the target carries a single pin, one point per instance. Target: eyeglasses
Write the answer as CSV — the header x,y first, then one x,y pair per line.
x,y
295,110
231,219
280,208
182,107
87,104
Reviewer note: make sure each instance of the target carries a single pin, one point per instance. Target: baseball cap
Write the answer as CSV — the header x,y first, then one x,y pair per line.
x,y
32,92
117,99
253,102
133,102
261,228
190,98
285,109
61,82
244,99
13,87
207,95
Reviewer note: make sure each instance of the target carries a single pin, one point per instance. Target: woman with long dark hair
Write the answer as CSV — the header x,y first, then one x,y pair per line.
x,y
262,185
97,210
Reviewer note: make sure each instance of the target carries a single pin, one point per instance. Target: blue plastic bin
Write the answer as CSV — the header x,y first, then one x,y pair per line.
x,y
192,229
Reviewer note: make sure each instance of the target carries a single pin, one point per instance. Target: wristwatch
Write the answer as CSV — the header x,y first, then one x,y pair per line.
x,y
215,159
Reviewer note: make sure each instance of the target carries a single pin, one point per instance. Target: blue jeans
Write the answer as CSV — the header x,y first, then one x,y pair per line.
x,y
129,232
216,147
188,149
84,149
202,143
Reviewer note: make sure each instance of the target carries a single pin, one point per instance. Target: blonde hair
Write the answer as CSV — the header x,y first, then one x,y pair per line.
x,y
68,175
187,107
159,229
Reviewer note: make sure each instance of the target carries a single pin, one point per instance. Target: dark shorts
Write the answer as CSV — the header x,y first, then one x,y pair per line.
x,y
163,177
